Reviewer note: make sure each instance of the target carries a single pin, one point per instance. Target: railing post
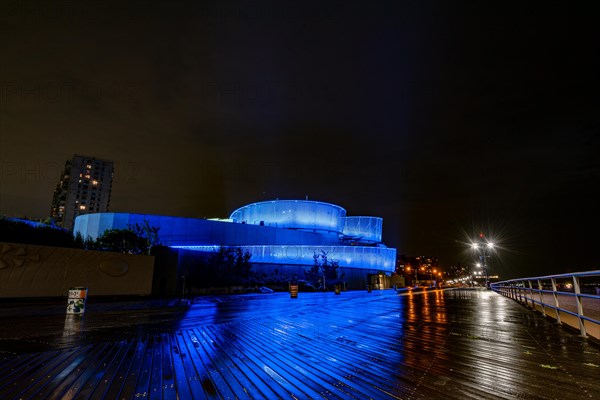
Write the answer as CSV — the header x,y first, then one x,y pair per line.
x,y
555,299
531,295
579,302
539,282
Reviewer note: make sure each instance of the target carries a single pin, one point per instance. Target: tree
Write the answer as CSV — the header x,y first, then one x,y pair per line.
x,y
78,240
223,267
89,243
314,274
323,268
122,241
241,265
145,230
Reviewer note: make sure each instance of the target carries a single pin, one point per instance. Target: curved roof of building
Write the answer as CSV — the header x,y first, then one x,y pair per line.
x,y
294,214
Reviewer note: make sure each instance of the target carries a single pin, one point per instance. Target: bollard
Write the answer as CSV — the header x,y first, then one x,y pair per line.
x,y
76,301
337,289
293,291
368,288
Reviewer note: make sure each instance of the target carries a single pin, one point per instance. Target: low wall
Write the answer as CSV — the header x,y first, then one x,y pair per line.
x,y
43,271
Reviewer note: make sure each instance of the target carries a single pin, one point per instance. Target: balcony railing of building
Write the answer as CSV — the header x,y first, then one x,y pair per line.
x,y
572,299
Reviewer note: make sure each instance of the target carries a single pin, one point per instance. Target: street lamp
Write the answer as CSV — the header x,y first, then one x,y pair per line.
x,y
416,270
483,249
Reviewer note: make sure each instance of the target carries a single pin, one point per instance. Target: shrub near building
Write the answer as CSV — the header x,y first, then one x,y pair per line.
x,y
12,231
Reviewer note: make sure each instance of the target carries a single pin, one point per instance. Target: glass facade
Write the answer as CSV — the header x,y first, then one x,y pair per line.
x,y
294,214
364,229
362,257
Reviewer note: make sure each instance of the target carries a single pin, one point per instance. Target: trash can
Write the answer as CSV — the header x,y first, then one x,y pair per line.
x,y
76,301
293,291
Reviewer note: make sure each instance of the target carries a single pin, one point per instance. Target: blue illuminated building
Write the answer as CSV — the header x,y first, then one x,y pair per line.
x,y
281,234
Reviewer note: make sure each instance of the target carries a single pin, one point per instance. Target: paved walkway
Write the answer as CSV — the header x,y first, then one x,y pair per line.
x,y
453,344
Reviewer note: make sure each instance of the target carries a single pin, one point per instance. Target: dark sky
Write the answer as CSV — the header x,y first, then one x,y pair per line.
x,y
442,119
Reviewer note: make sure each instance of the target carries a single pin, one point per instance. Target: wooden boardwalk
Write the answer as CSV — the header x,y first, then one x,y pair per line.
x,y
453,344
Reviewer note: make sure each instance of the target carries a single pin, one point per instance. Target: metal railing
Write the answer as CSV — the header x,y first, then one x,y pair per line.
x,y
550,295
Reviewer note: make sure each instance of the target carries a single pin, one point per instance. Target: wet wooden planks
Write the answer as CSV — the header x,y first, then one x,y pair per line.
x,y
441,344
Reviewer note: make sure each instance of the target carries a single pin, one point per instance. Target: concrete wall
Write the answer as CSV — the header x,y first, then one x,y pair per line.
x,y
42,271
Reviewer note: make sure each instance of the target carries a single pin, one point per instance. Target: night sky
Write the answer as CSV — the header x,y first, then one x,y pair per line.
x,y
442,119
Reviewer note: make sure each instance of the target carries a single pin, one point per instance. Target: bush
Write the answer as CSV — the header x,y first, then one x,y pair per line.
x,y
223,267
19,232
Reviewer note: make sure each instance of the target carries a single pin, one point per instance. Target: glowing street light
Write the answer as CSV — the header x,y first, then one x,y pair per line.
x,y
483,249
416,271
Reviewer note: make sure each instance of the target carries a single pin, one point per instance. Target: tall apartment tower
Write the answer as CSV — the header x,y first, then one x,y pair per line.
x,y
84,188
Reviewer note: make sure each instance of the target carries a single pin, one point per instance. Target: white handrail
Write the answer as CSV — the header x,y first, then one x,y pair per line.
x,y
523,291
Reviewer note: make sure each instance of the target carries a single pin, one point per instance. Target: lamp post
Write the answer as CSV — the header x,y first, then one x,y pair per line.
x,y
483,250
416,271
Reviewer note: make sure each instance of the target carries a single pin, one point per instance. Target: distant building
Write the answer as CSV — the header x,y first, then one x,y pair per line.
x,y
84,188
417,269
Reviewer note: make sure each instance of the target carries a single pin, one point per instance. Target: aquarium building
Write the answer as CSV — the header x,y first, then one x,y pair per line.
x,y
282,234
